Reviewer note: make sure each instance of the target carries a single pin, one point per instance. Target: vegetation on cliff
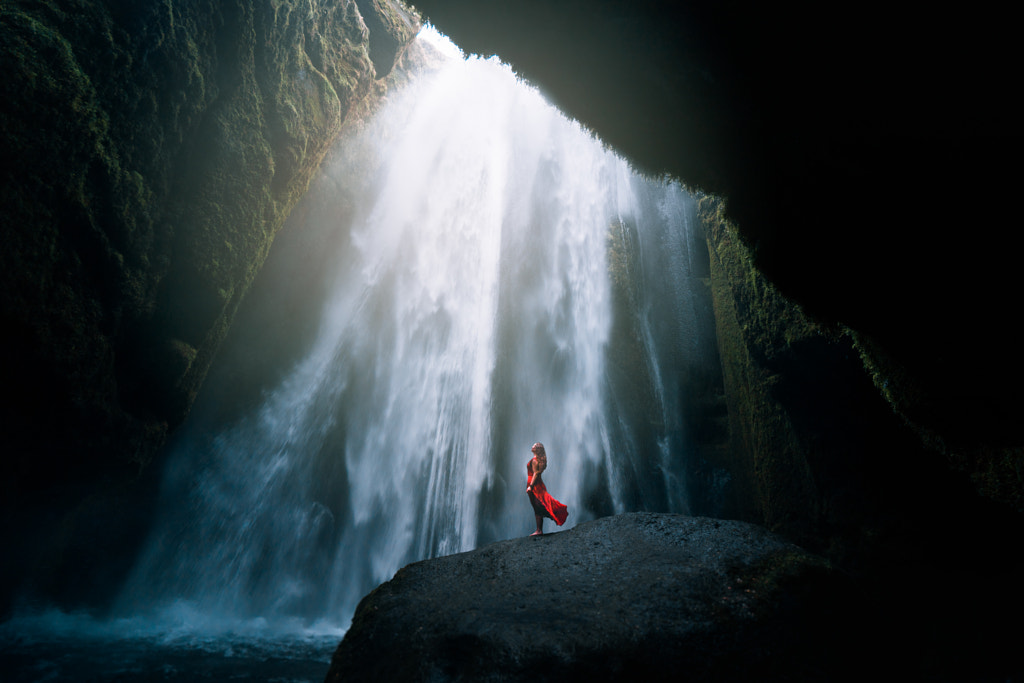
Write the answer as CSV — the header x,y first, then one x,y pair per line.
x,y
818,453
152,151
775,333
994,465
816,450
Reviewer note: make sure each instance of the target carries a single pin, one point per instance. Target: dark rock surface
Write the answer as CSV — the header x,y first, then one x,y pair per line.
x,y
149,154
633,597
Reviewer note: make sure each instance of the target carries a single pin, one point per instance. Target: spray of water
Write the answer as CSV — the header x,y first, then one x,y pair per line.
x,y
471,311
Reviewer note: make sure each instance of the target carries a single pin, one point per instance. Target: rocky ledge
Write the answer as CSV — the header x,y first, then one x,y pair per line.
x,y
631,597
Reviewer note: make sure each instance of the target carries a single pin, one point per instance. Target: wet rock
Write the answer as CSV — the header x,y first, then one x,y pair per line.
x,y
631,597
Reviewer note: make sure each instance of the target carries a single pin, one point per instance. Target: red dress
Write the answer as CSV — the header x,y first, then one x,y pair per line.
x,y
542,502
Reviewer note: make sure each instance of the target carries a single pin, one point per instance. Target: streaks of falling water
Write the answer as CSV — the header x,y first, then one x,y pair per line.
x,y
469,313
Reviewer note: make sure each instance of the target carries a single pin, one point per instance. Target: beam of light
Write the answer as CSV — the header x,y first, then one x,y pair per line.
x,y
469,313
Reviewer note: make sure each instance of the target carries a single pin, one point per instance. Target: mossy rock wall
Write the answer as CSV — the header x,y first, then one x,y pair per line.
x,y
151,151
814,452
818,449
771,349
822,451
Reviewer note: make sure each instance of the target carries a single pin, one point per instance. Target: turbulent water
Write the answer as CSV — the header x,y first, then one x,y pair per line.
x,y
478,273
177,645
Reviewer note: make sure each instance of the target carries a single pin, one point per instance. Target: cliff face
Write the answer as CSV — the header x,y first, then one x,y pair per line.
x,y
819,455
151,152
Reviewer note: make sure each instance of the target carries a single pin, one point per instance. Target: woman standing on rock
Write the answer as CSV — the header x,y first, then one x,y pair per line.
x,y
543,504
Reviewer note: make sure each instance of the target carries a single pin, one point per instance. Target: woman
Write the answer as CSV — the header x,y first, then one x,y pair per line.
x,y
543,504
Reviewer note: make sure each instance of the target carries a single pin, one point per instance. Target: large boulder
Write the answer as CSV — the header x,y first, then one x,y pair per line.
x,y
638,596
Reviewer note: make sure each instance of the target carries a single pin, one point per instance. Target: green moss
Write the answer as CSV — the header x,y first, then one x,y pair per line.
x,y
772,481
157,151
827,442
633,384
153,152
996,472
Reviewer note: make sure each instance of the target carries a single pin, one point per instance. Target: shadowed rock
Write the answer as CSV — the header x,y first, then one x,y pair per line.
x,y
628,597
152,151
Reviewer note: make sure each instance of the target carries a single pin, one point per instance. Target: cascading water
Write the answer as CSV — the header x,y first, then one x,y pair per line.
x,y
497,278
473,273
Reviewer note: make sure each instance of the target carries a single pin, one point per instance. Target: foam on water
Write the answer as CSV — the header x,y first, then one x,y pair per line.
x,y
179,643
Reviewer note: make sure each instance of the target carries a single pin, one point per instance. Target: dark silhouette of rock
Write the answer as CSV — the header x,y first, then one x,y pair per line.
x,y
637,596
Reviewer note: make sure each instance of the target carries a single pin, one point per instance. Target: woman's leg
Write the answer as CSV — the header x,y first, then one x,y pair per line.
x,y
540,525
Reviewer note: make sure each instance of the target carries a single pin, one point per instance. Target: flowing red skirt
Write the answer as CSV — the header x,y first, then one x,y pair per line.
x,y
544,504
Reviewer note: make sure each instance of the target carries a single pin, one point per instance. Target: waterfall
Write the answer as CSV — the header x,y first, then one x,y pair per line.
x,y
495,276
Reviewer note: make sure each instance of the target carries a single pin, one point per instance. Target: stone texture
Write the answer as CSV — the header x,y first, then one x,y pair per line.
x,y
632,597
151,152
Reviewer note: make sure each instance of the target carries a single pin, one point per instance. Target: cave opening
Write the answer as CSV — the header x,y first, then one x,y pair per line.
x,y
882,433
471,272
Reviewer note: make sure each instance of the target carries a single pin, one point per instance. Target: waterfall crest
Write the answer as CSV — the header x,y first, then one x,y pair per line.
x,y
497,277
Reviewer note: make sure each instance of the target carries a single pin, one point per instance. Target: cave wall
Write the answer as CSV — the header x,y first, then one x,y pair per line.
x,y
815,450
818,453
864,154
151,151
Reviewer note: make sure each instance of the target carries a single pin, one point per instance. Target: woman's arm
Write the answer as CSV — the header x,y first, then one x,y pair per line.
x,y
533,469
